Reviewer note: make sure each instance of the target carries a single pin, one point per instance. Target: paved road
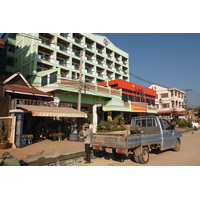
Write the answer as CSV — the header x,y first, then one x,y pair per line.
x,y
187,156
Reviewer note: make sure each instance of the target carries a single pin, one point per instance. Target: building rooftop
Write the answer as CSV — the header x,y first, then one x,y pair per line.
x,y
17,83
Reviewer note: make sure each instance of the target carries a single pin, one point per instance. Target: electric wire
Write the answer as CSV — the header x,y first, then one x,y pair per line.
x,y
131,74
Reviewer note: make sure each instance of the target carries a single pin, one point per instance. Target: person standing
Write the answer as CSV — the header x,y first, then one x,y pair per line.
x,y
87,133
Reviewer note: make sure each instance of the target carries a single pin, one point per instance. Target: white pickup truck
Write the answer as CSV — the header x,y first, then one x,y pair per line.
x,y
146,133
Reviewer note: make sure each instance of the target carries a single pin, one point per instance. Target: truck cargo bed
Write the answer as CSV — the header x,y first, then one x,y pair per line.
x,y
123,139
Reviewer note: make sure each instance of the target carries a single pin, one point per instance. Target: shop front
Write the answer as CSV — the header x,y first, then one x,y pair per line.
x,y
35,123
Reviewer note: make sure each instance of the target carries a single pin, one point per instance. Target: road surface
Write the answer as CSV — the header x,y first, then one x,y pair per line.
x,y
187,156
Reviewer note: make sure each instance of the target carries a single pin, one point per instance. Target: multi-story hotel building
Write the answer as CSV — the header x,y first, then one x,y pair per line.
x,y
61,54
53,62
169,101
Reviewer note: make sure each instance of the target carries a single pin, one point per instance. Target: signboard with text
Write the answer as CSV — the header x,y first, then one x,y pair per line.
x,y
138,107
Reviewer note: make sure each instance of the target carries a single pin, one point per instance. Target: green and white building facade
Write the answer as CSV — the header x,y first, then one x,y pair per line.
x,y
53,62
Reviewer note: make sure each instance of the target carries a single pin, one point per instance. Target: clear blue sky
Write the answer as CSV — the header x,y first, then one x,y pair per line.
x,y
168,59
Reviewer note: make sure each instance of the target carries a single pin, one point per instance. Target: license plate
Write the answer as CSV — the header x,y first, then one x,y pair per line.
x,y
108,150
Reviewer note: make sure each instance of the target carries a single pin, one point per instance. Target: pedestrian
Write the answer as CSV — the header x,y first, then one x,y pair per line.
x,y
9,160
87,133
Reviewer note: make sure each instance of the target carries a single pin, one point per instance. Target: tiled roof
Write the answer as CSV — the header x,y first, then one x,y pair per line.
x,y
24,89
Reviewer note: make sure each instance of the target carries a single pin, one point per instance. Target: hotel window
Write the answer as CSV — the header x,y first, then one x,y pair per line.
x,y
165,105
125,97
44,81
53,77
165,95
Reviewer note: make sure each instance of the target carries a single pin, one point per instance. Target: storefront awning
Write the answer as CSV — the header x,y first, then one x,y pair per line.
x,y
45,111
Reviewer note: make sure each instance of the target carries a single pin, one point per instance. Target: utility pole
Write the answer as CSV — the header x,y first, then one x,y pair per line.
x,y
186,101
80,80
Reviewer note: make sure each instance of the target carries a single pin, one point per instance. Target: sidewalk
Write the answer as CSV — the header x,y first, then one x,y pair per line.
x,y
46,151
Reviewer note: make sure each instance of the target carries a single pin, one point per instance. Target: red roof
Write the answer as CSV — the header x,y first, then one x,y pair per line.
x,y
121,84
24,89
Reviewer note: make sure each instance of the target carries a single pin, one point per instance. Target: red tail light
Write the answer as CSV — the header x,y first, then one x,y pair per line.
x,y
97,148
122,151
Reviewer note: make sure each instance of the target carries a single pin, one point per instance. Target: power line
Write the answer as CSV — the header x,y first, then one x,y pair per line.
x,y
131,74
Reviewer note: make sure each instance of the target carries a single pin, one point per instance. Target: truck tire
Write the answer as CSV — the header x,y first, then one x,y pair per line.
x,y
117,156
144,156
136,158
177,146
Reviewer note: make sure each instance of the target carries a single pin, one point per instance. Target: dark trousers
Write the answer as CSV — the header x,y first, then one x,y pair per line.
x,y
87,152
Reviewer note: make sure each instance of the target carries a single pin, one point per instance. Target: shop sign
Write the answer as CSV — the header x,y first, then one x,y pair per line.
x,y
152,109
138,107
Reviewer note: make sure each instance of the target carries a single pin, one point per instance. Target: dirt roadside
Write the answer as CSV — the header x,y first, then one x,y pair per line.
x,y
187,156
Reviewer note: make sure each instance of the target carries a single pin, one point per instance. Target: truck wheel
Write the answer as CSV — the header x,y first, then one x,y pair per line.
x,y
177,146
144,156
117,156
136,158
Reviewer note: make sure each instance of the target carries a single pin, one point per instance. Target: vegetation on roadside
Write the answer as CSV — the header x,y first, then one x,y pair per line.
x,y
182,123
117,124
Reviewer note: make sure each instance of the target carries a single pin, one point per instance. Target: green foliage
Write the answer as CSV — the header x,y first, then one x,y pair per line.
x,y
89,116
117,124
182,123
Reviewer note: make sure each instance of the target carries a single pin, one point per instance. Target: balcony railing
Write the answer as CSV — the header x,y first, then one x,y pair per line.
x,y
99,51
76,53
63,63
117,59
76,67
77,41
92,87
17,102
47,42
110,66
100,62
89,46
100,75
109,56
63,48
43,57
89,59
118,70
89,71
64,35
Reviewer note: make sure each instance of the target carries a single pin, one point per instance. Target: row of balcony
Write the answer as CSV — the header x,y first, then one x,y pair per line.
x,y
67,50
88,58
99,74
65,64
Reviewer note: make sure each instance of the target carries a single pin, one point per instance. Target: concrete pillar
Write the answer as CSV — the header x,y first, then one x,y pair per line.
x,y
19,129
95,117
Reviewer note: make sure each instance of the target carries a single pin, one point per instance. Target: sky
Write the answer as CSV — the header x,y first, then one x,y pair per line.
x,y
161,37
168,59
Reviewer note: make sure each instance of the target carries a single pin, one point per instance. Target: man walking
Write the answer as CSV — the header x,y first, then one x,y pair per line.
x,y
88,139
